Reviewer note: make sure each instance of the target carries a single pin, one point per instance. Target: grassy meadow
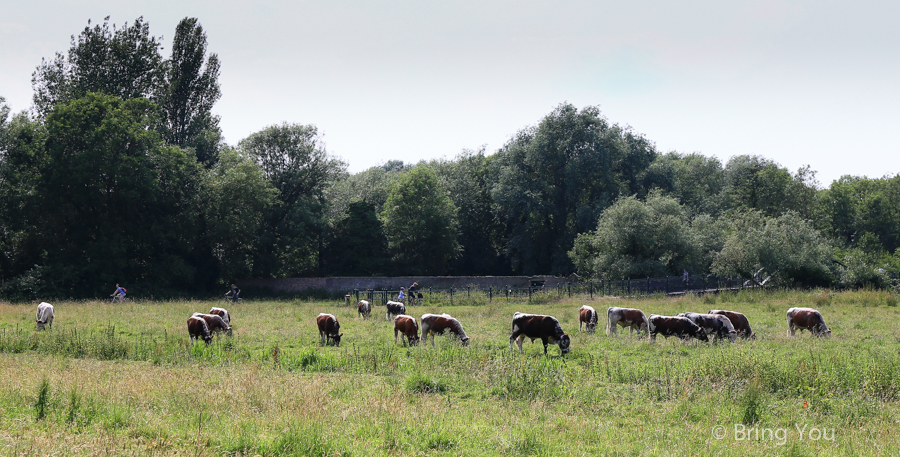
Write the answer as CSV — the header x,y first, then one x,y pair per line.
x,y
123,379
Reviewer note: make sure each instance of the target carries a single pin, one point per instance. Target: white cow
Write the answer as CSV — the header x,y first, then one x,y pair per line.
x,y
44,315
221,312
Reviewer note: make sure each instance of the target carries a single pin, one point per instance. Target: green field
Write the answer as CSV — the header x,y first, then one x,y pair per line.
x,y
124,380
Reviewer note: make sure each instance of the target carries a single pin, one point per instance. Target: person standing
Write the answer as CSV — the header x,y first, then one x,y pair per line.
x,y
685,278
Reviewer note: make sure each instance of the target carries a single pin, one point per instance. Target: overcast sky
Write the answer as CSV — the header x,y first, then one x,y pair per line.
x,y
798,82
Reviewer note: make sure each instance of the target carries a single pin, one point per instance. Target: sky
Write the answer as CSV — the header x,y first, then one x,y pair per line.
x,y
798,82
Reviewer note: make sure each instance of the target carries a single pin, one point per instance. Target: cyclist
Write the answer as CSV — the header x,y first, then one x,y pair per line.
x,y
233,293
402,295
413,292
119,294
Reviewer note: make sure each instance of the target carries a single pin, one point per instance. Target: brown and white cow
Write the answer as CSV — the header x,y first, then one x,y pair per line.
x,y
587,315
681,327
536,326
221,312
739,321
713,324
634,319
437,324
329,328
363,309
214,323
197,329
406,327
394,308
44,316
807,319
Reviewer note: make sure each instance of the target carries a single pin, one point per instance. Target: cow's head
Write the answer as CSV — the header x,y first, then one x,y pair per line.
x,y
464,341
337,338
701,335
41,325
564,343
824,331
651,320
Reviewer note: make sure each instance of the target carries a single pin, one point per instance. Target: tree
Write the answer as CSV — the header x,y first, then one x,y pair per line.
x,y
753,182
234,199
420,224
695,180
122,62
23,156
786,248
190,88
641,239
469,180
357,245
294,160
114,202
555,180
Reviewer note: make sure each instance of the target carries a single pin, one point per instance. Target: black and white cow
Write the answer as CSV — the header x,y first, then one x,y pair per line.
x,y
536,326
681,327
394,308
713,324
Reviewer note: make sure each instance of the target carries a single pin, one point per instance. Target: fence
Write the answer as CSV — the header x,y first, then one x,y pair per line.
x,y
669,285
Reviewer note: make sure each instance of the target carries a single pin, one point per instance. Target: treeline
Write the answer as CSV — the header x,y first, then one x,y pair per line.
x,y
119,173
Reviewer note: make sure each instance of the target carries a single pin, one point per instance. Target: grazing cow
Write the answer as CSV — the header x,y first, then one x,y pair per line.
x,y
395,308
437,324
407,327
44,316
329,328
713,324
198,329
739,321
363,308
214,323
681,327
588,316
221,312
809,319
536,326
634,319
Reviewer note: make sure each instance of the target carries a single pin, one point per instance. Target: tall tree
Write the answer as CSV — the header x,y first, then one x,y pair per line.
x,y
469,180
114,202
294,160
420,223
233,201
555,180
124,62
190,88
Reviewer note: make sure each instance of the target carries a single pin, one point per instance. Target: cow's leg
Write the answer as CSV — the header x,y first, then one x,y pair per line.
x,y
395,336
322,337
790,327
544,340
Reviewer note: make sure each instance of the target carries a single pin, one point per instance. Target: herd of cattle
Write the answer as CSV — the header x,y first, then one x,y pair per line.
x,y
721,324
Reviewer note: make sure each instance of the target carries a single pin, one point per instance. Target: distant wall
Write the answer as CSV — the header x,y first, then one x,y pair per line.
x,y
344,284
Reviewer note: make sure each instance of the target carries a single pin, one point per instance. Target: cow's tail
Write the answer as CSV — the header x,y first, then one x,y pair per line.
x,y
646,324
608,319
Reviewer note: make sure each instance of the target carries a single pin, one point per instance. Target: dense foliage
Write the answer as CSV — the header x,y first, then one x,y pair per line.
x,y
120,174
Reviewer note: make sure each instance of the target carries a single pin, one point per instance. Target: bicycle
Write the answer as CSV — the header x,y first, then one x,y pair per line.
x,y
229,299
113,299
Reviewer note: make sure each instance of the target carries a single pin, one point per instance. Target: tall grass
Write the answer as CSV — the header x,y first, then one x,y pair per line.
x,y
132,381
